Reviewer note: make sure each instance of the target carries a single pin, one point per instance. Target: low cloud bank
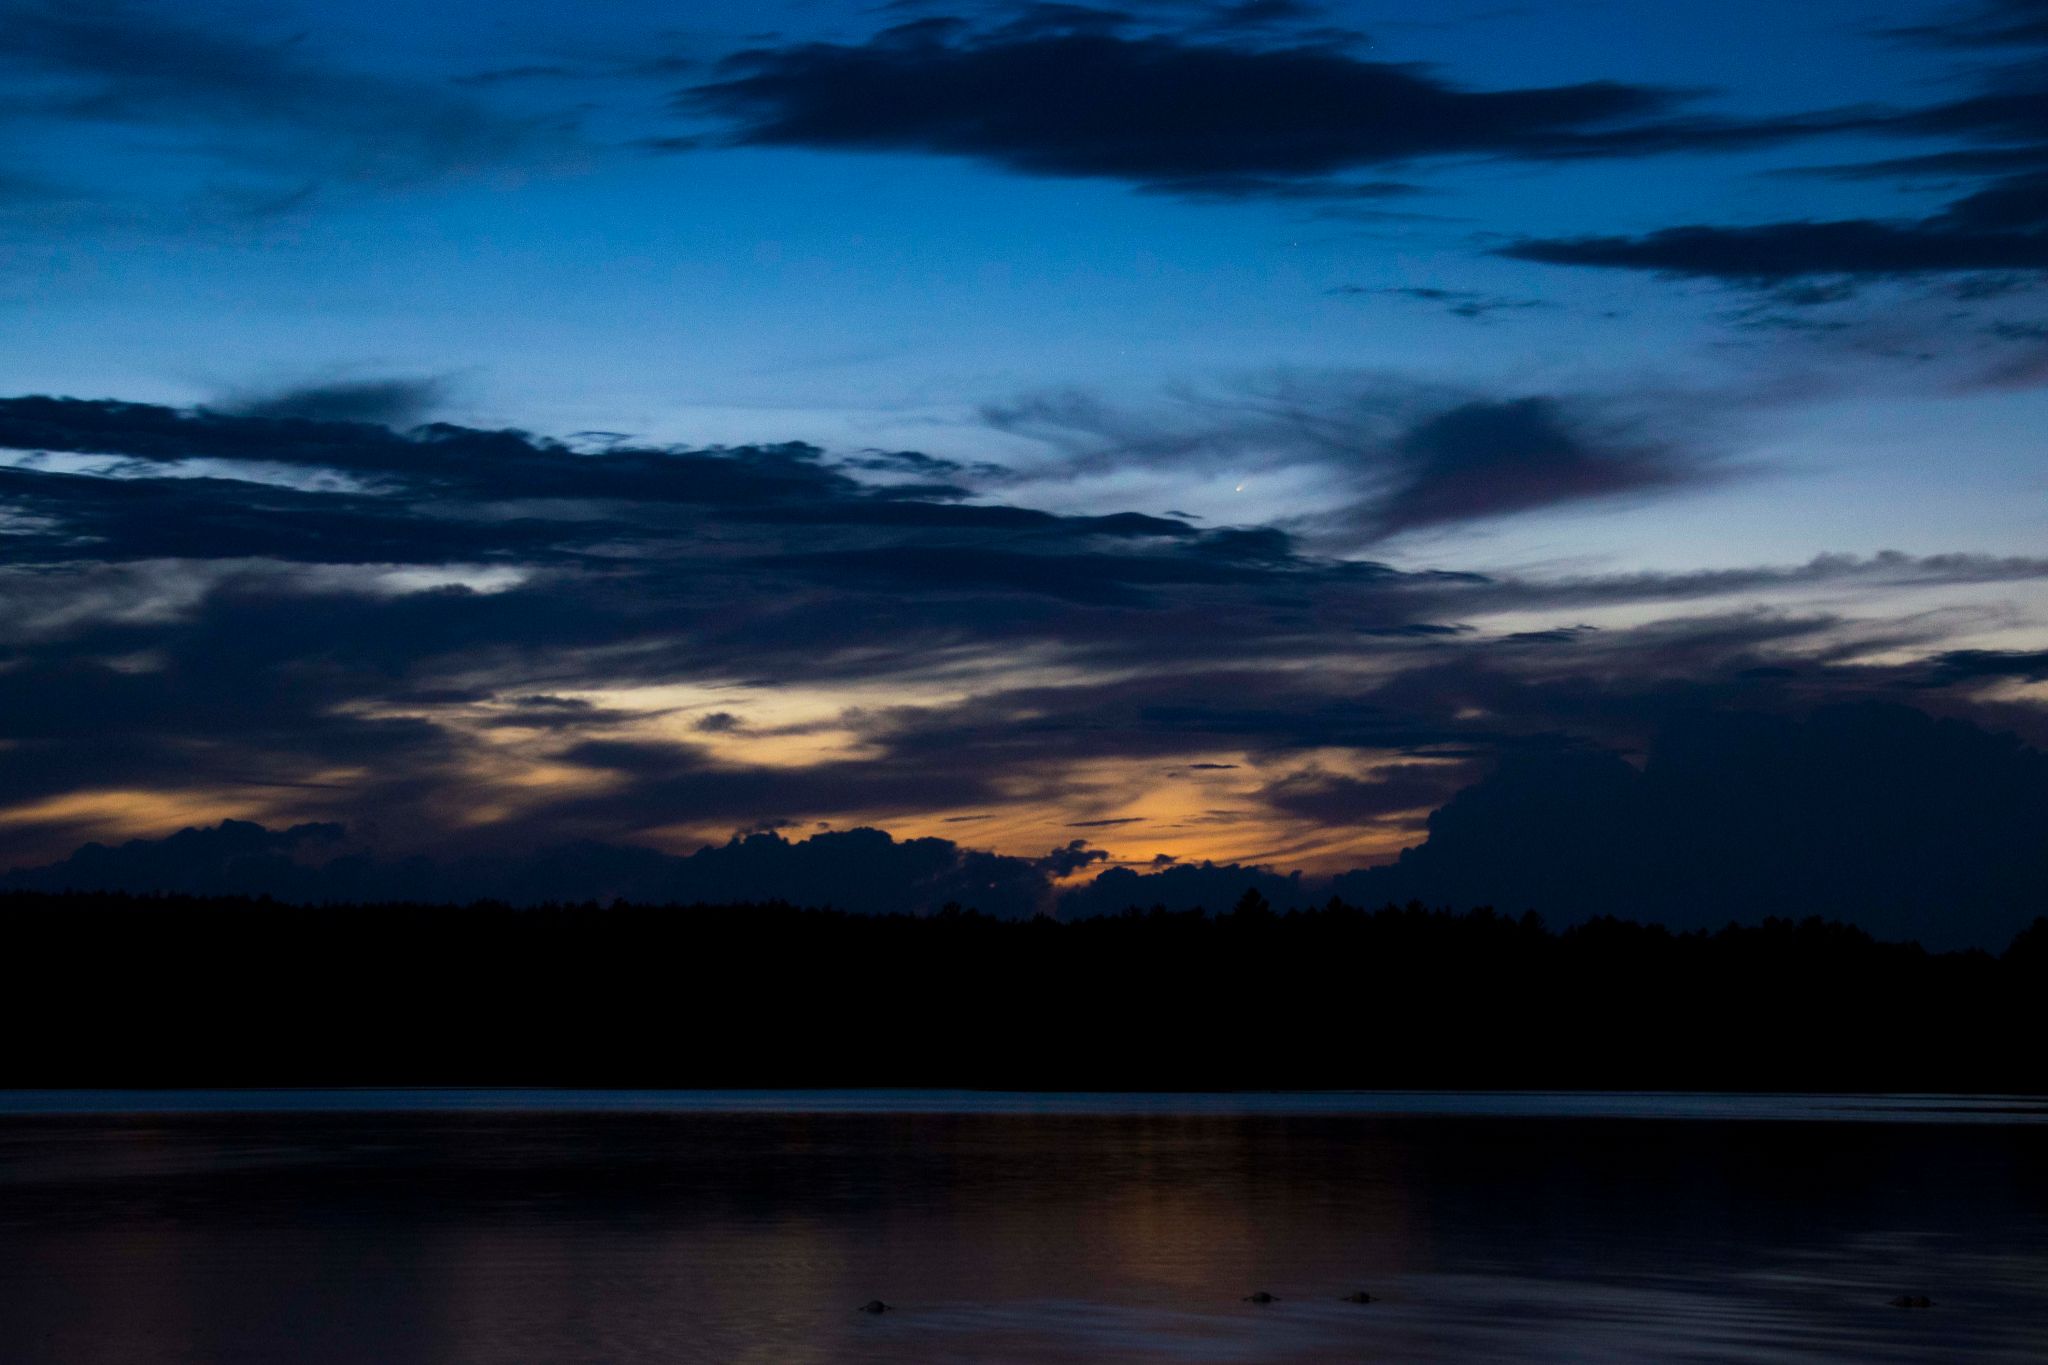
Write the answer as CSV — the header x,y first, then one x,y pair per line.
x,y
1908,826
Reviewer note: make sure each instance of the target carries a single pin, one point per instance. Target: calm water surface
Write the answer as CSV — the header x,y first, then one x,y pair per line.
x,y
473,1228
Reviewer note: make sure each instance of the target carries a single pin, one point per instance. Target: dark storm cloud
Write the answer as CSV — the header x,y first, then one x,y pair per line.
x,y
1060,91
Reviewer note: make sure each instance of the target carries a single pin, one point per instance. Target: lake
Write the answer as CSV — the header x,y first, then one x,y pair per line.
x,y
525,1227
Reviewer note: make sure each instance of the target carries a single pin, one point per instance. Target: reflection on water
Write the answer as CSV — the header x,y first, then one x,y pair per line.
x,y
1004,1229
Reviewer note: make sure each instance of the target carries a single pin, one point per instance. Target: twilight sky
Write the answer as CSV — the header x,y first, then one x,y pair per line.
x,y
1198,429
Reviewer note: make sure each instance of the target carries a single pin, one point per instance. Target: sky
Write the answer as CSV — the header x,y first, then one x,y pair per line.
x,y
1107,436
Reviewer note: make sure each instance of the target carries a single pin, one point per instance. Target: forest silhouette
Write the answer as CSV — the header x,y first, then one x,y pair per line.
x,y
119,990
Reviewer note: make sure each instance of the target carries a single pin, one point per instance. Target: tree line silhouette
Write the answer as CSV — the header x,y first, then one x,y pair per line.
x,y
116,990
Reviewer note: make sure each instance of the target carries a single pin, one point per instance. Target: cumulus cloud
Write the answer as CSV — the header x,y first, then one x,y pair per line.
x,y
1071,857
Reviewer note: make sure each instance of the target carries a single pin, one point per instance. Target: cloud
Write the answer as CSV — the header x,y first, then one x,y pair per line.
x,y
183,631
461,460
1997,226
1772,252
1492,458
1973,665
1911,827
1998,23
398,403
1337,799
484,643
1888,569
1074,856
256,106
1224,189
862,870
1393,458
1247,112
1463,303
1187,886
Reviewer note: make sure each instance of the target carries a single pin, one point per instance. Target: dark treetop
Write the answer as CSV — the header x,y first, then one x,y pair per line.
x,y
116,990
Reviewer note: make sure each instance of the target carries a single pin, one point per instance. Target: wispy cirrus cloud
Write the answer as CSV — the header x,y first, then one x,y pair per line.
x,y
259,116
1392,457
1982,24
1463,303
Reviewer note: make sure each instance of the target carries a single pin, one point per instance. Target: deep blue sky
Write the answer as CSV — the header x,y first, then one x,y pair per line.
x,y
213,199
1716,329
